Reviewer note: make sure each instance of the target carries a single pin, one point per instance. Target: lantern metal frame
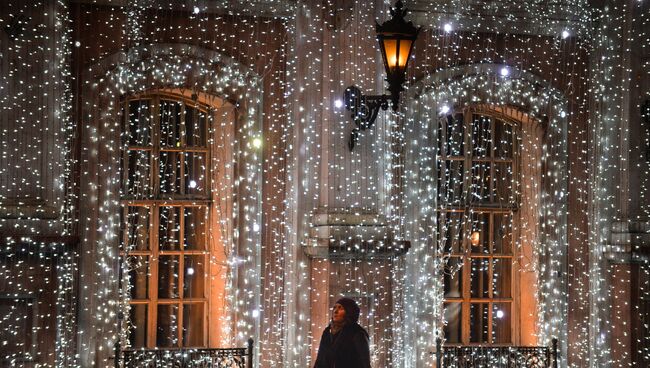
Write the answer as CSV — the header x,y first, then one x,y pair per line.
x,y
365,108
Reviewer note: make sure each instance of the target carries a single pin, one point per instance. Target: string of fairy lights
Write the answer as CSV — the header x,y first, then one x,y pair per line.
x,y
566,69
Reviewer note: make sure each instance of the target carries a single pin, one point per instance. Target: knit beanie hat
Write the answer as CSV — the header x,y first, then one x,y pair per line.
x,y
351,307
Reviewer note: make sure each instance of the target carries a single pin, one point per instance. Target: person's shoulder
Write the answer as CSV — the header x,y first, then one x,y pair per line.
x,y
327,330
359,330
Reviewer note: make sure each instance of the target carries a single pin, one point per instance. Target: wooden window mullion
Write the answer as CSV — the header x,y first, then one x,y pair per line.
x,y
489,322
491,251
183,155
469,148
181,273
493,123
179,329
153,279
208,165
465,307
155,222
155,167
466,226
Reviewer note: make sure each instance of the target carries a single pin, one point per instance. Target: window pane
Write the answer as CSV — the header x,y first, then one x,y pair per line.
x,y
454,277
391,49
503,140
138,267
138,228
455,142
138,325
453,322
404,48
193,321
138,182
480,277
503,233
481,176
503,183
168,267
169,228
450,229
139,123
481,136
195,173
501,277
194,276
478,322
501,323
170,123
195,127
167,325
196,226
450,182
170,172
480,233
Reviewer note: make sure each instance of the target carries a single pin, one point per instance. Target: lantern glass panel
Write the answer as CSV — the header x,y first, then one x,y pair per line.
x,y
390,51
404,50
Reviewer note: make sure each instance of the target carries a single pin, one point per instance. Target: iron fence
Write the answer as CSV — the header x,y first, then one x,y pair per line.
x,y
496,356
185,358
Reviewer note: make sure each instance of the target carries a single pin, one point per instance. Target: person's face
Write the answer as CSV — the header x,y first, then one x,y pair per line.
x,y
338,313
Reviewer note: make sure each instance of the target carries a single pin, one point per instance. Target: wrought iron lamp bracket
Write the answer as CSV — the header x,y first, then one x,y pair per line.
x,y
363,109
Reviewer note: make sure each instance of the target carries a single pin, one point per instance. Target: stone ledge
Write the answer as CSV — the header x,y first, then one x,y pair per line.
x,y
352,233
629,242
355,249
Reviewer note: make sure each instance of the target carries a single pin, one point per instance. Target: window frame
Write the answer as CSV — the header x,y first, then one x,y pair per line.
x,y
154,201
468,209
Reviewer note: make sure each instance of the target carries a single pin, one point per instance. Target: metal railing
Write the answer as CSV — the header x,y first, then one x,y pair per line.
x,y
496,356
185,358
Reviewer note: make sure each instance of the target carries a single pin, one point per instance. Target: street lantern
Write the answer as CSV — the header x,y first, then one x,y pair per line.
x,y
396,38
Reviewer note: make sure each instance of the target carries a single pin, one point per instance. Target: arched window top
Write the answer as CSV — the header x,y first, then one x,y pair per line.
x,y
167,144
479,154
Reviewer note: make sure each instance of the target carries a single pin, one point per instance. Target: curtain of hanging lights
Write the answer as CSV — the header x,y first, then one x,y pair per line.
x,y
573,79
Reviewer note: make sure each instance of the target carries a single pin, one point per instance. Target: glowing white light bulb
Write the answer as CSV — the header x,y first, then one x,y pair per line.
x,y
192,184
196,10
447,27
444,109
504,71
499,313
77,43
338,103
257,143
190,271
565,34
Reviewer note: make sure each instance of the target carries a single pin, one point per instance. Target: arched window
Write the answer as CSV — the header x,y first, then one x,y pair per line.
x,y
166,216
478,201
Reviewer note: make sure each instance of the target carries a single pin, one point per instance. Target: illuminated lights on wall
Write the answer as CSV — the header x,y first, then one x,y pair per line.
x,y
569,76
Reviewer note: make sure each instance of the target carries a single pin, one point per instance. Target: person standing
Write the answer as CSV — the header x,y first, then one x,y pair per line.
x,y
344,343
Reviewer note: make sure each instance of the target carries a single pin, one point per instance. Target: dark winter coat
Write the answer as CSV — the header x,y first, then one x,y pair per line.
x,y
347,349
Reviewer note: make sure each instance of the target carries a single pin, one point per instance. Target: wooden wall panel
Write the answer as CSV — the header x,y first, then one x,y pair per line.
x,y
31,120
